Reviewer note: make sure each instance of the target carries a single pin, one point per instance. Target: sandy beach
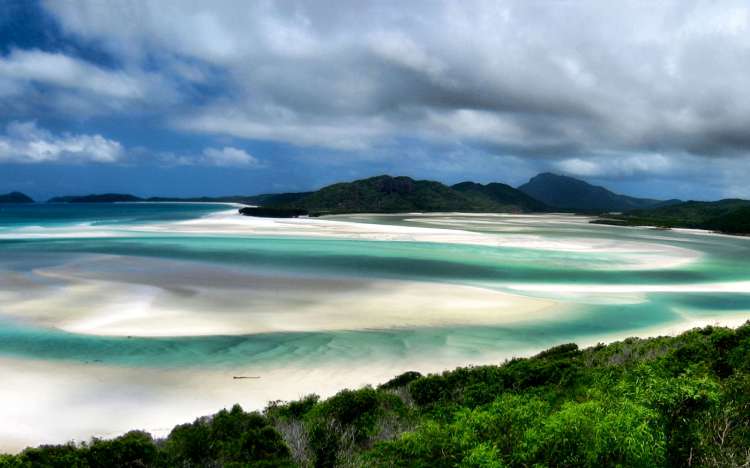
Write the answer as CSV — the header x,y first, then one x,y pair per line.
x,y
363,328
106,401
118,296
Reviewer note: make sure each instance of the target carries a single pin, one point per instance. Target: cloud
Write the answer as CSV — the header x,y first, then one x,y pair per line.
x,y
619,165
62,70
226,156
25,142
53,81
542,78
357,134
229,156
628,91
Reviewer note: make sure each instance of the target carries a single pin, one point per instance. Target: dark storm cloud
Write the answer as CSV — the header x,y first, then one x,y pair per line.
x,y
617,89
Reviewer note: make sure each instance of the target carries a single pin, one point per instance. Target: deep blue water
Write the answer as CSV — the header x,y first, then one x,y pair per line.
x,y
57,214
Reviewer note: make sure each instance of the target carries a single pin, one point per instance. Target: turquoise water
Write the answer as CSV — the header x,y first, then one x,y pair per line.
x,y
61,214
718,259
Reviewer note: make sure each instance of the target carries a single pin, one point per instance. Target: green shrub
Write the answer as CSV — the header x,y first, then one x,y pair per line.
x,y
228,437
667,401
401,380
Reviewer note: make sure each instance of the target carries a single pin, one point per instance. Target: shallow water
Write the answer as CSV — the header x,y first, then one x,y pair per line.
x,y
718,259
106,285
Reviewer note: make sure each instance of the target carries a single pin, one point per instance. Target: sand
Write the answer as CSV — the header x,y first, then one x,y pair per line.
x,y
517,230
55,401
106,401
154,297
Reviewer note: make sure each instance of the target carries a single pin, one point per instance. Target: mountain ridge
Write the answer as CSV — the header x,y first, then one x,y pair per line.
x,y
15,197
501,193
568,193
389,194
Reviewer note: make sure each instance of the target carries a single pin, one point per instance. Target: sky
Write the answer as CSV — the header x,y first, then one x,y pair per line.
x,y
184,98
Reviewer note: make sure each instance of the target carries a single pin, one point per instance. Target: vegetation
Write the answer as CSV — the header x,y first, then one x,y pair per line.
x,y
731,216
272,212
386,194
668,401
503,195
569,194
275,199
15,197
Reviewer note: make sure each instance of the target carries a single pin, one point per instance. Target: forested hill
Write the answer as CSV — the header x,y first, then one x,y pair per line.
x,y
568,193
660,402
15,197
731,216
502,194
386,194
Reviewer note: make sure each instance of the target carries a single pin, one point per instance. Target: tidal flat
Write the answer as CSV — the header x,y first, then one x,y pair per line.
x,y
140,315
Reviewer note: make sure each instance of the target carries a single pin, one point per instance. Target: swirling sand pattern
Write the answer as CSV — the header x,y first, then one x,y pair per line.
x,y
128,317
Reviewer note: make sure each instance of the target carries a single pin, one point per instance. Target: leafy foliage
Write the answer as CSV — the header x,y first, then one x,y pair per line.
x,y
659,402
731,216
386,194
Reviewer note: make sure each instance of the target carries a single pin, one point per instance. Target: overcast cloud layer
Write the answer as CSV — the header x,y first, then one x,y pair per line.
x,y
649,97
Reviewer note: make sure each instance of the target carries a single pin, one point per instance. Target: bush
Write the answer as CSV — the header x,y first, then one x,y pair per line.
x,y
401,380
226,438
134,449
668,401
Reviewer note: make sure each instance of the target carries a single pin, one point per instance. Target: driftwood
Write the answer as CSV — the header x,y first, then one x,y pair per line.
x,y
236,377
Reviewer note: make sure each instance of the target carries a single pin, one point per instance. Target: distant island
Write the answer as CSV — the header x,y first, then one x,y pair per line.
x,y
731,216
98,198
124,197
545,192
261,212
571,194
388,194
658,402
15,197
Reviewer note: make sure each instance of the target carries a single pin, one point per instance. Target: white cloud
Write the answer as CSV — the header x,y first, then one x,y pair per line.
x,y
25,142
62,70
226,156
623,78
44,81
279,125
229,156
591,88
618,165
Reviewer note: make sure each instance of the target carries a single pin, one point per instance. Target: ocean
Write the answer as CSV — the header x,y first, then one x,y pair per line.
x,y
151,308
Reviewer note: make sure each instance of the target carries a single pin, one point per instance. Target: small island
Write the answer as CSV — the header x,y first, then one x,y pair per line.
x,y
260,212
96,198
729,216
15,197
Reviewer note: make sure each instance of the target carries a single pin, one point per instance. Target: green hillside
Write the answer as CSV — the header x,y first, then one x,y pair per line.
x,y
501,194
386,194
660,402
731,216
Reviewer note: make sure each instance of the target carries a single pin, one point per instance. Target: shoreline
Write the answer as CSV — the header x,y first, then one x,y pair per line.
x,y
122,391
105,295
